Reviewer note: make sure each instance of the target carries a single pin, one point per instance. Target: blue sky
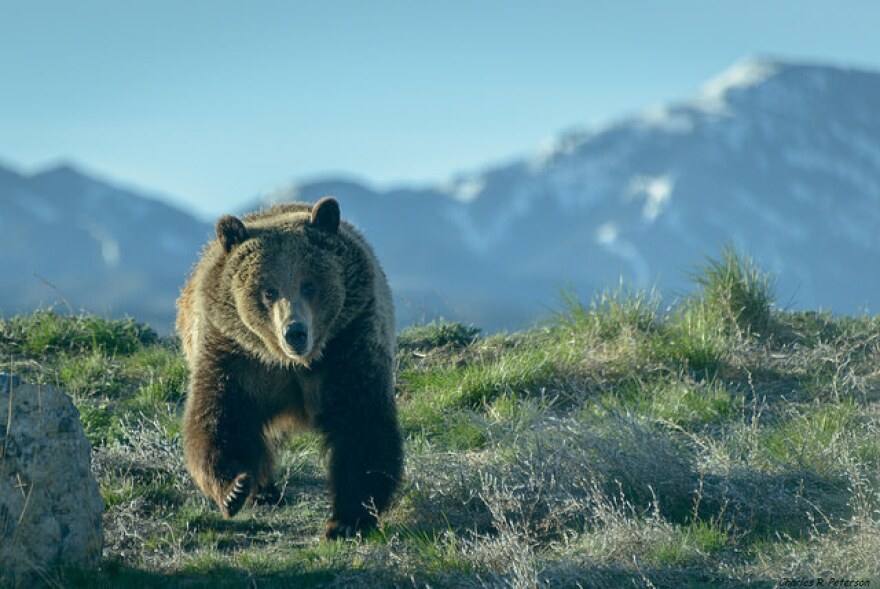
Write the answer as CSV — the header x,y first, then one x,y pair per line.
x,y
210,102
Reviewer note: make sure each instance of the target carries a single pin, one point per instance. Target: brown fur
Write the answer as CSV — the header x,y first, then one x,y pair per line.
x,y
293,264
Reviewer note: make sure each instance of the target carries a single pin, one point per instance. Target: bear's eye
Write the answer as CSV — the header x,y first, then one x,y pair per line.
x,y
270,295
307,289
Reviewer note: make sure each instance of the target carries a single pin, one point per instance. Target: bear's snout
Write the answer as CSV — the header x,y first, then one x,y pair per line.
x,y
297,336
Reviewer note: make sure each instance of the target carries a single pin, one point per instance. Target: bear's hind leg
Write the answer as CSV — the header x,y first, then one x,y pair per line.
x,y
366,466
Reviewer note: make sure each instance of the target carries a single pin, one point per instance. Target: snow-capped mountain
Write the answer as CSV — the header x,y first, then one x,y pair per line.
x,y
781,159
100,247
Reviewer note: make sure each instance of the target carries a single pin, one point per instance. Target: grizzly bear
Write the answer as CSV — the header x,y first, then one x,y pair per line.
x,y
287,322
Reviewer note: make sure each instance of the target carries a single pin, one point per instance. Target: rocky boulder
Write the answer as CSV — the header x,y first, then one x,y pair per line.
x,y
50,506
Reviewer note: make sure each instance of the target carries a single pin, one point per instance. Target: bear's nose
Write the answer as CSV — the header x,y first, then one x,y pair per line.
x,y
297,336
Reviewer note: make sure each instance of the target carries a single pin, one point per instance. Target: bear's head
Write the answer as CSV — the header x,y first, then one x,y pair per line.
x,y
286,281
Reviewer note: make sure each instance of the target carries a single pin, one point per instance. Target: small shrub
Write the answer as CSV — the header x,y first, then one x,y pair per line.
x,y
739,290
437,334
162,371
811,328
471,386
695,339
816,437
609,313
90,374
681,402
101,422
45,331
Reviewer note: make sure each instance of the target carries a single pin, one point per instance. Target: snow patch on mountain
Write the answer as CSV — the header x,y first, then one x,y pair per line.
x,y
607,233
108,244
714,94
608,236
465,189
669,119
657,191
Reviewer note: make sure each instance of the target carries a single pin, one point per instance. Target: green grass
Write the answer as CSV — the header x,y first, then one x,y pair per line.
x,y
610,312
739,290
48,332
437,334
680,402
696,339
719,441
161,373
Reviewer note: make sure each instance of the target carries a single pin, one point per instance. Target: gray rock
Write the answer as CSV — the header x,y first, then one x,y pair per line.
x,y
50,506
8,381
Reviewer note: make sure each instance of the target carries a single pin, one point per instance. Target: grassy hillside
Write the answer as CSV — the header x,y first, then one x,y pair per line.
x,y
718,442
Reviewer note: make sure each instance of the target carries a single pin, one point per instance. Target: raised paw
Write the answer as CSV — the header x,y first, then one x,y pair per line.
x,y
237,495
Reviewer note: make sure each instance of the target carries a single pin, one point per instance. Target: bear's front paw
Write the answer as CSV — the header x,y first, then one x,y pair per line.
x,y
342,530
237,495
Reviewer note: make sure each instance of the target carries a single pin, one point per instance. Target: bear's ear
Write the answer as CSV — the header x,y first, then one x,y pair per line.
x,y
231,232
325,214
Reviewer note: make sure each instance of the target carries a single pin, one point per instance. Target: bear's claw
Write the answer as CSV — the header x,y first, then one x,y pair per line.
x,y
337,530
237,495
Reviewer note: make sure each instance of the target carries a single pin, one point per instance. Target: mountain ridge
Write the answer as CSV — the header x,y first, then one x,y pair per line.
x,y
781,159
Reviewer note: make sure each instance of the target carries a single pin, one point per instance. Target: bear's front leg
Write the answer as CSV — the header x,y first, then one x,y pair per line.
x,y
366,463
223,442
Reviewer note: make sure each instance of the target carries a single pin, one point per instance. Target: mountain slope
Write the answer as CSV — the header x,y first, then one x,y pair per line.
x,y
104,248
781,159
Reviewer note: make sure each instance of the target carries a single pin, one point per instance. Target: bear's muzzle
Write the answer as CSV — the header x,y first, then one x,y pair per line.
x,y
297,337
